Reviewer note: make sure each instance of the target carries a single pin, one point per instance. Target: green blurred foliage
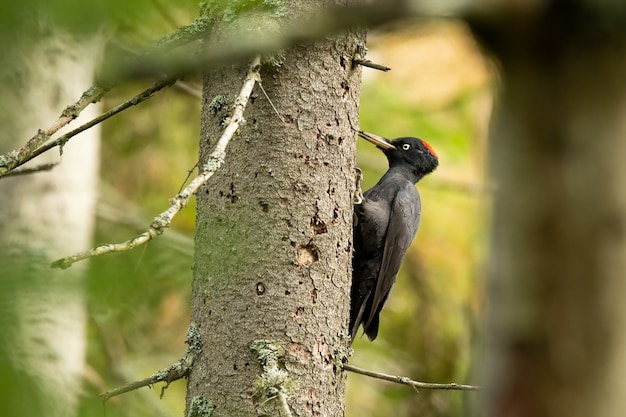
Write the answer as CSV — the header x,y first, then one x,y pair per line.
x,y
81,16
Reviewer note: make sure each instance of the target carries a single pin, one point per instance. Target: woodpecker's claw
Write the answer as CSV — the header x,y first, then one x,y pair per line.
x,y
357,198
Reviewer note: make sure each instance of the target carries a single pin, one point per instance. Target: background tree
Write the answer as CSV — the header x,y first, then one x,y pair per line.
x,y
43,320
557,263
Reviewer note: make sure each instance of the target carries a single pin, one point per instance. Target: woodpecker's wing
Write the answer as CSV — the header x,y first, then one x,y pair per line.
x,y
369,232
403,223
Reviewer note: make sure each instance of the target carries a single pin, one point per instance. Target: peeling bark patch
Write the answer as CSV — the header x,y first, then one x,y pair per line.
x,y
307,254
318,225
321,349
260,288
299,352
297,315
312,403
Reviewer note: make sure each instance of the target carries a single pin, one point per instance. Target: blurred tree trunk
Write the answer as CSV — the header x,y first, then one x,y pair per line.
x,y
557,318
273,238
42,217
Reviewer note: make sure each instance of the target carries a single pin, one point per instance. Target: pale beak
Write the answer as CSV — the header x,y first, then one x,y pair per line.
x,y
380,142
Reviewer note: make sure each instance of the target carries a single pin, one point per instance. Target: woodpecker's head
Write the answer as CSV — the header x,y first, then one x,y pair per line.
x,y
413,154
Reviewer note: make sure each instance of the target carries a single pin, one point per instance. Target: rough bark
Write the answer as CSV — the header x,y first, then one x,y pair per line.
x,y
44,216
273,237
558,256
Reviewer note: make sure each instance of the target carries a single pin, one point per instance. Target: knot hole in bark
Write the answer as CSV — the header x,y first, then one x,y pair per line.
x,y
307,254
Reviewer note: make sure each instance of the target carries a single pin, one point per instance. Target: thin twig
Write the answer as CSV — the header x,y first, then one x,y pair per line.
x,y
14,159
282,398
139,98
271,104
213,163
189,89
406,381
30,170
168,375
370,64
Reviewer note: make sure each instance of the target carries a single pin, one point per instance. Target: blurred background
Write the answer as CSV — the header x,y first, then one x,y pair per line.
x,y
439,89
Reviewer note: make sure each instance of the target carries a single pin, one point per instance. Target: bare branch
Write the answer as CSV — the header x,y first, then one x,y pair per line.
x,y
30,170
189,88
213,163
139,98
284,405
93,94
370,64
14,159
406,381
168,375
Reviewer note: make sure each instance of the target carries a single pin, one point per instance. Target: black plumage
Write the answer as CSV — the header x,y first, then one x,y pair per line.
x,y
386,222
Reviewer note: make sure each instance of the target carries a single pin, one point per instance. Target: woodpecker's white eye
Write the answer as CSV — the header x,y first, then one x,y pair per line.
x,y
406,146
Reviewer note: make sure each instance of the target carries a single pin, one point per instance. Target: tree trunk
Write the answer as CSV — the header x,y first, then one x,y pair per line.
x,y
272,266
558,258
42,217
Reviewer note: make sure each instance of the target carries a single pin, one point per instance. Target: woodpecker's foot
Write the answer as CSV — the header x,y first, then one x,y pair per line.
x,y
357,198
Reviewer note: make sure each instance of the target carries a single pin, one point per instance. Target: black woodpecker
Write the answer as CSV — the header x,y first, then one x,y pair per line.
x,y
385,224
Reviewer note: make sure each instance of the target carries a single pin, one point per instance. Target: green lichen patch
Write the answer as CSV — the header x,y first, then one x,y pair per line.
x,y
274,379
218,104
200,407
